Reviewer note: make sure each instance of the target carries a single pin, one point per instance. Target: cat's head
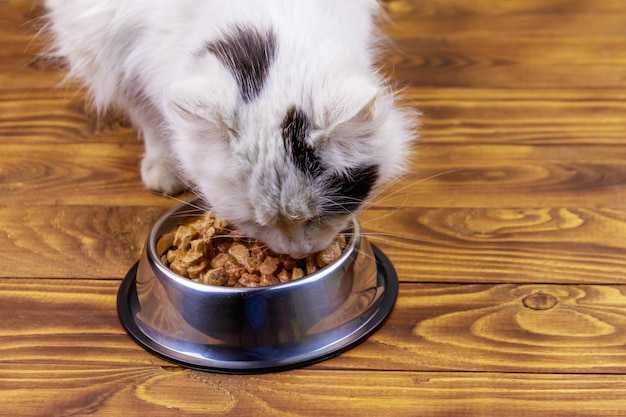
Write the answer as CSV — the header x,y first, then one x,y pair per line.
x,y
287,156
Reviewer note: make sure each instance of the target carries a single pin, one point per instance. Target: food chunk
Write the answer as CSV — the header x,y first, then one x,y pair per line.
x,y
208,251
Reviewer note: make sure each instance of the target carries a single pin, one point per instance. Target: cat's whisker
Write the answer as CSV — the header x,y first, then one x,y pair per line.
x,y
364,253
373,202
382,188
395,193
380,217
342,209
392,238
193,207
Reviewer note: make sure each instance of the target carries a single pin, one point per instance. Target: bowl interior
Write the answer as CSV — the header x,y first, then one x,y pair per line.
x,y
182,215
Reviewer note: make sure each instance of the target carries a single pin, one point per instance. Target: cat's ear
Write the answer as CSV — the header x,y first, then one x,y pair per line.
x,y
209,98
353,109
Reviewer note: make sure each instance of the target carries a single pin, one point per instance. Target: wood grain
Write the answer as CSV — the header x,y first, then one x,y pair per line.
x,y
458,44
443,176
57,117
470,245
483,175
570,329
551,245
507,232
532,328
165,392
508,116
76,360
73,241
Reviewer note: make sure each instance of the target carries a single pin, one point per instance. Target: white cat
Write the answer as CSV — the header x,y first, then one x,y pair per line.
x,y
271,110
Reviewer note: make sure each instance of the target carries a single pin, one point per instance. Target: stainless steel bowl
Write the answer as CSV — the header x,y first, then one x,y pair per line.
x,y
253,330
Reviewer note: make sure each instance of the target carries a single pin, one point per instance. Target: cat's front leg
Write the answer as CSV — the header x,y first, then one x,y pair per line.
x,y
158,167
159,175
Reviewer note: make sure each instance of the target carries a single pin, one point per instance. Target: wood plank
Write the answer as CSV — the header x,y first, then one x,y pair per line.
x,y
156,391
410,21
519,116
533,328
58,116
472,245
456,46
74,241
443,176
498,63
108,173
475,245
484,176
450,116
462,8
20,47
509,328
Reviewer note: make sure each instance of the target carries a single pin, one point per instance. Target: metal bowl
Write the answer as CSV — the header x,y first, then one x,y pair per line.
x,y
254,330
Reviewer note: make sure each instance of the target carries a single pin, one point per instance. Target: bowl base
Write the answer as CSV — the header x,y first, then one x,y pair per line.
x,y
200,358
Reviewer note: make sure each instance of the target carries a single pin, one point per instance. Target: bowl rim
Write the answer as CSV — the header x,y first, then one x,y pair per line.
x,y
165,272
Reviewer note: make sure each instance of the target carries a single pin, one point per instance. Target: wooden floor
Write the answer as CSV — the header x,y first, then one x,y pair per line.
x,y
509,236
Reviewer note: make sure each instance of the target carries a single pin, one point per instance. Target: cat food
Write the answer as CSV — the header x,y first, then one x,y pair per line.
x,y
206,250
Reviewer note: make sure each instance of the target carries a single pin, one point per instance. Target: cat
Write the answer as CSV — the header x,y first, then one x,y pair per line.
x,y
271,110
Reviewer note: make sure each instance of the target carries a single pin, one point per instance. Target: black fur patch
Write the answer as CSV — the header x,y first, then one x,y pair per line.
x,y
295,128
345,192
348,191
248,53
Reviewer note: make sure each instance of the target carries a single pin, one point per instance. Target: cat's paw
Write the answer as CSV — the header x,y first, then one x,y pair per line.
x,y
158,175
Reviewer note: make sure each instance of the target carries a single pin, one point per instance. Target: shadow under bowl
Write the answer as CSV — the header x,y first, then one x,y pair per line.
x,y
255,330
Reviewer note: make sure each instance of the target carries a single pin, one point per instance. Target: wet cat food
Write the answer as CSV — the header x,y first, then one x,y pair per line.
x,y
208,251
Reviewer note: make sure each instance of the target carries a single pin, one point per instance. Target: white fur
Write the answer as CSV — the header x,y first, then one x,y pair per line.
x,y
142,56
